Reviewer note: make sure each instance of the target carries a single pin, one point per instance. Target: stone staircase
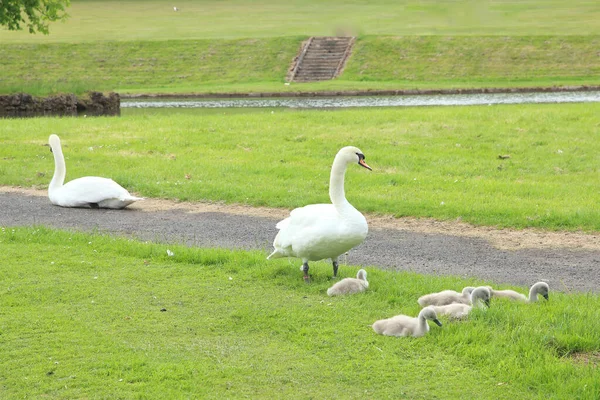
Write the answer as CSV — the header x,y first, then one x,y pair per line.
x,y
321,59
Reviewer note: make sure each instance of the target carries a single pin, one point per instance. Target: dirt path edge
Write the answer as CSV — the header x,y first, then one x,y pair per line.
x,y
505,239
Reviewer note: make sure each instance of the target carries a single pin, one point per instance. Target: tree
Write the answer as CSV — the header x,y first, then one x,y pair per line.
x,y
34,14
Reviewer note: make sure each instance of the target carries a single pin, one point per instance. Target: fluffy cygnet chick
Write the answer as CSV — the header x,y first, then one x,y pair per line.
x,y
446,297
403,325
350,285
480,297
540,288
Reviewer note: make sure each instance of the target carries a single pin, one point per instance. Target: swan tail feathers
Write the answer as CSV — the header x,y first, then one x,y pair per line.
x,y
283,223
129,197
275,254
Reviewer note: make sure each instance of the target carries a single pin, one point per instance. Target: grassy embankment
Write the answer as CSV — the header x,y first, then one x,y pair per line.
x,y
428,162
81,317
217,66
211,47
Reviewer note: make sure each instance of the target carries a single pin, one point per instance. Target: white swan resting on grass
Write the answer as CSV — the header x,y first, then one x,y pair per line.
x,y
350,285
321,231
89,191
539,288
403,325
480,297
446,297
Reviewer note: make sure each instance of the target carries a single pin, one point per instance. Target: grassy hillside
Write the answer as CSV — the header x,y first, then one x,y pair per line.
x,y
439,162
101,20
241,46
147,66
476,60
91,316
245,65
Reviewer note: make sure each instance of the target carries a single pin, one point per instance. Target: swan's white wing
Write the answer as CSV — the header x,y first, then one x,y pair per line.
x,y
317,232
307,216
91,190
283,223
301,226
304,222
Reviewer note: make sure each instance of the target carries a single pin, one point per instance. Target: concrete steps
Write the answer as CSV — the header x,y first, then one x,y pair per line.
x,y
321,59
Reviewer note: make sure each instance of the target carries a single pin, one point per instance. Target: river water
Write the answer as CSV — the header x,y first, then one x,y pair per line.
x,y
370,101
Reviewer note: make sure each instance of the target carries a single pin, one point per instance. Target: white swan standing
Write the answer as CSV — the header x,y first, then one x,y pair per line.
x,y
350,285
321,231
403,325
89,191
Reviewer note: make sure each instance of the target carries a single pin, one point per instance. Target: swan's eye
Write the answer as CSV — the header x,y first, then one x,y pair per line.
x,y
361,156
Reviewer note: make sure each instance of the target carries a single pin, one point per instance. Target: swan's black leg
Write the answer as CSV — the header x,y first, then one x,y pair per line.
x,y
94,206
305,269
335,268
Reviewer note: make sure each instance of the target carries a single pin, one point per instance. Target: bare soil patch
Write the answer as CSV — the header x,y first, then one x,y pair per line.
x,y
506,239
587,358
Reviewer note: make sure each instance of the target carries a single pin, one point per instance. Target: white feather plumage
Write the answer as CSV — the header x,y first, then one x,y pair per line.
x,y
320,231
89,191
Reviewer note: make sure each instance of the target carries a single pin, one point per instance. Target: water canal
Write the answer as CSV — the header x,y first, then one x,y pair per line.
x,y
369,101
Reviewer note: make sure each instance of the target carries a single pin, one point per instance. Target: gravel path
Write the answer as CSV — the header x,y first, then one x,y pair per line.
x,y
567,262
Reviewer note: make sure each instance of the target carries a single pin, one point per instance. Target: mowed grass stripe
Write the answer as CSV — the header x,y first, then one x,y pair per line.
x,y
81,316
101,20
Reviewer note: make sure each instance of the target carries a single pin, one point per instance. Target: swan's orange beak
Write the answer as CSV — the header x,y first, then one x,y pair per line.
x,y
364,164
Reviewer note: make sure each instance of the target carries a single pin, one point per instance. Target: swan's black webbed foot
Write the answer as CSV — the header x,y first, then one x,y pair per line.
x,y
335,268
95,206
305,270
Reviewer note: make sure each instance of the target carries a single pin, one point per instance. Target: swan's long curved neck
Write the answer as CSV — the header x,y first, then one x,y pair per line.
x,y
60,170
422,324
336,183
533,296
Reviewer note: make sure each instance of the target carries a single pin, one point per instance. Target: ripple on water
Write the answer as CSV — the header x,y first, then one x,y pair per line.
x,y
371,101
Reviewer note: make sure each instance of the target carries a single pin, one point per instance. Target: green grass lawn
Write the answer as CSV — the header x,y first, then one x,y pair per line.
x,y
241,46
81,317
255,65
101,20
439,162
80,314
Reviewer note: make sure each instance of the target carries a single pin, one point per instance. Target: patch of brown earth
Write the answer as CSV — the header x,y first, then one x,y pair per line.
x,y
507,239
589,358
